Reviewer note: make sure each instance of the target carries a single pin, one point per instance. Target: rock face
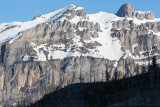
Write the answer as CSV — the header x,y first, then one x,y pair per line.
x,y
71,47
126,10
136,35
129,11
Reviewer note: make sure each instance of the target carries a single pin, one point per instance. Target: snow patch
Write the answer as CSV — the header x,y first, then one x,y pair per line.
x,y
143,63
40,54
134,46
111,47
143,12
26,58
14,38
139,22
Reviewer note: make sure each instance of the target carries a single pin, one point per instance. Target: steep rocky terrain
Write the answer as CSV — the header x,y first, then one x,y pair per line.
x,y
68,46
134,91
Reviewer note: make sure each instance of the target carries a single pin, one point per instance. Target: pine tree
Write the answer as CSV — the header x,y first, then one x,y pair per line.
x,y
80,78
156,70
108,76
148,54
153,75
115,74
142,77
143,69
137,70
154,62
119,75
153,71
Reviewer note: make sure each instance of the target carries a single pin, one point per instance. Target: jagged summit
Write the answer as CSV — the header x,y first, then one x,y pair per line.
x,y
69,7
126,10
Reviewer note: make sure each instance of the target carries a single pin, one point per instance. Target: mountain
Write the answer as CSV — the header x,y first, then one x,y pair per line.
x,y
69,46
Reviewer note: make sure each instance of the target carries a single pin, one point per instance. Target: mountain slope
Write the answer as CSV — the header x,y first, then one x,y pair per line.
x,y
68,46
10,30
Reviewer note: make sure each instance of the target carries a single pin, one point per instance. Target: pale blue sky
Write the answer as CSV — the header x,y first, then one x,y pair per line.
x,y
25,10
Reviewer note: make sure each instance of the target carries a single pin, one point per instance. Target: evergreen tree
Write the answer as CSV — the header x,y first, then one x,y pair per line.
x,y
108,76
137,70
155,70
152,74
80,78
142,78
148,53
143,69
119,74
115,76
154,62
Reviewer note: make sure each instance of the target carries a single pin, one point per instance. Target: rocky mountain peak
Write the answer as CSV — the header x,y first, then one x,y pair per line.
x,y
76,11
126,10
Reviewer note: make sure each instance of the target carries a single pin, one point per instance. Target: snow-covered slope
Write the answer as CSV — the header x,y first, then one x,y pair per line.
x,y
10,30
110,47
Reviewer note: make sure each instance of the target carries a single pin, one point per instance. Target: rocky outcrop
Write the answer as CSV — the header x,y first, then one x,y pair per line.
x,y
145,15
127,10
70,14
139,41
131,34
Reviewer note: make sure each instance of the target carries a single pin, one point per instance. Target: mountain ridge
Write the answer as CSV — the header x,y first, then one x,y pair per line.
x,y
67,46
71,6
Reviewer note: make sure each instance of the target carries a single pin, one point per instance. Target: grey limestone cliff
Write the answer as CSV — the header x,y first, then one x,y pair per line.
x,y
28,70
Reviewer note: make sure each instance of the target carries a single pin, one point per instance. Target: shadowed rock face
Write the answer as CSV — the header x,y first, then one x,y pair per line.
x,y
126,10
26,73
129,11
